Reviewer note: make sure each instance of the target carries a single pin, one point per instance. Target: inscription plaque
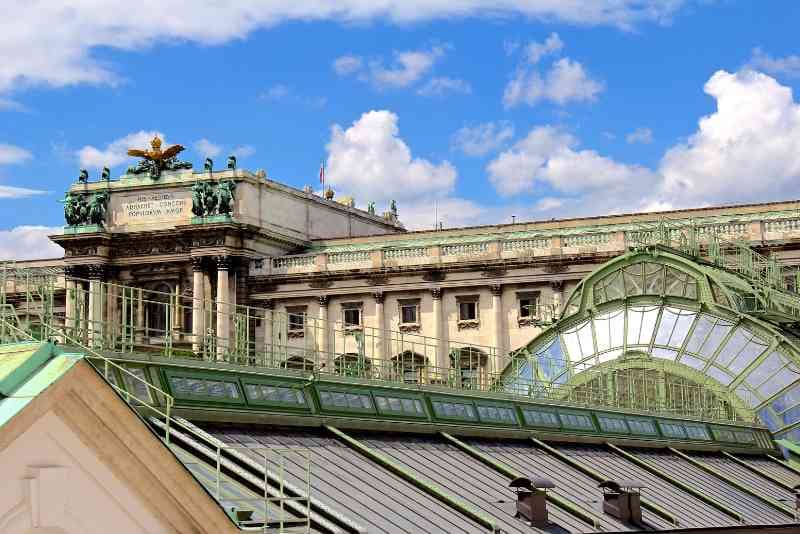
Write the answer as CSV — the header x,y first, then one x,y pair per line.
x,y
151,207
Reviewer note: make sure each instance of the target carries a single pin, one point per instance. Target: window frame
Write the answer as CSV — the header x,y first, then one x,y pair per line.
x,y
408,303
296,311
349,307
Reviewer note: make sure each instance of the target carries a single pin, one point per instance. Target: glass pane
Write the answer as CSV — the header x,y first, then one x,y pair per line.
x,y
787,399
715,337
765,369
633,280
634,324
693,362
617,328
780,380
654,278
666,354
665,326
682,327
719,375
701,331
585,339
748,355
649,319
734,345
601,329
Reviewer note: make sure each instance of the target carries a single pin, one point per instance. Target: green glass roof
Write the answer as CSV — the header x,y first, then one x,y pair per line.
x,y
661,310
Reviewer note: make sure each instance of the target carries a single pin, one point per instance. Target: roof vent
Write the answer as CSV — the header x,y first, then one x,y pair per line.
x,y
532,499
622,499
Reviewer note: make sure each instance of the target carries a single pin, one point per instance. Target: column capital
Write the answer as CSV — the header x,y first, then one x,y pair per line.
x,y
496,289
198,262
97,272
268,304
436,293
73,271
379,296
223,262
323,300
557,285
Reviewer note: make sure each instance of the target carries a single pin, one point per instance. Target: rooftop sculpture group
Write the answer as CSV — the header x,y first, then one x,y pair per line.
x,y
210,199
155,160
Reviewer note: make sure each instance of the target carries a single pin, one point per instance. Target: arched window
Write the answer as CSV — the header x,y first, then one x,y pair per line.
x,y
411,366
470,365
298,363
353,364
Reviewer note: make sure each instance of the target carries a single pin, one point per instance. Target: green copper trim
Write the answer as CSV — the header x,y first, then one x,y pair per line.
x,y
741,487
18,361
430,489
757,471
677,483
591,473
505,470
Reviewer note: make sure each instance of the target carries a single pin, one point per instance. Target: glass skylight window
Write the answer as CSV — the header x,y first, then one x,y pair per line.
x,y
277,394
345,400
541,418
672,430
576,421
400,405
696,431
642,426
203,388
454,410
497,414
616,425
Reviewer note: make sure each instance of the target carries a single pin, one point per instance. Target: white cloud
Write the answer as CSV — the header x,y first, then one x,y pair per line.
x,y
442,85
29,243
536,51
206,148
748,149
243,151
640,135
348,64
549,156
408,67
548,204
788,66
423,214
115,152
276,92
371,161
510,46
566,81
53,43
8,191
13,154
483,138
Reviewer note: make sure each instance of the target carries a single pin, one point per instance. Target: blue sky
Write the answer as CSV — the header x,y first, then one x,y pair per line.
x,y
531,110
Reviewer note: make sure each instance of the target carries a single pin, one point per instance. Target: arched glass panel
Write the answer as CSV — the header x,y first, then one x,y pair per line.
x,y
674,326
641,324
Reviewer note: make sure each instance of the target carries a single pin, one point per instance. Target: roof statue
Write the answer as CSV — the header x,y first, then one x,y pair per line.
x,y
155,160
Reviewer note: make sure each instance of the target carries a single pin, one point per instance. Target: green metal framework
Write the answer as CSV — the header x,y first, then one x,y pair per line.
x,y
658,329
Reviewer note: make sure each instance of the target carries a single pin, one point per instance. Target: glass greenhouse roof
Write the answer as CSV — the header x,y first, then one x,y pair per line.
x,y
673,315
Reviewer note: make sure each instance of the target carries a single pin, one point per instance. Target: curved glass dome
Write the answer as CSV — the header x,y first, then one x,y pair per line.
x,y
666,319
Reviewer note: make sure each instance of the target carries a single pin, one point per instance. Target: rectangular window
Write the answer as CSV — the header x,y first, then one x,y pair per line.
x,y
642,426
351,314
467,310
345,400
528,304
202,388
744,436
541,418
672,430
137,388
454,410
696,431
723,434
576,421
265,393
400,405
409,311
296,317
613,424
497,414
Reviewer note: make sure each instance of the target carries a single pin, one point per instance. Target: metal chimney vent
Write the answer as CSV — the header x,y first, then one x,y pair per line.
x,y
623,500
532,499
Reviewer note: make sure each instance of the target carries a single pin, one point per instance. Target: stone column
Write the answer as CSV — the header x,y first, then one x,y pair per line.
x,y
558,301
111,322
71,294
499,341
441,361
268,333
198,312
95,312
323,335
223,307
379,342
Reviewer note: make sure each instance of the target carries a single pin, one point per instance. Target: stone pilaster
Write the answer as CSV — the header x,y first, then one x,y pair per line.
x,y
323,333
380,328
498,331
223,306
198,305
441,362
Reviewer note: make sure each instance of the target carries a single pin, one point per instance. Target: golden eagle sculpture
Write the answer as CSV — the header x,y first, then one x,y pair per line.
x,y
156,160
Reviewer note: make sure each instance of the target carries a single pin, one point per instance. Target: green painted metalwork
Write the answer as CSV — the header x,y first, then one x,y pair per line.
x,y
505,470
741,487
591,473
758,471
431,489
18,361
677,483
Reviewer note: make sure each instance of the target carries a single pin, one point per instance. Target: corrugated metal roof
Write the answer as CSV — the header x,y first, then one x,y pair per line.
x,y
570,483
753,510
690,511
772,468
465,477
746,477
347,481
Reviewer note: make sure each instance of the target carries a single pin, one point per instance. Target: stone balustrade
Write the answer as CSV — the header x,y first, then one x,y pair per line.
x,y
509,248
